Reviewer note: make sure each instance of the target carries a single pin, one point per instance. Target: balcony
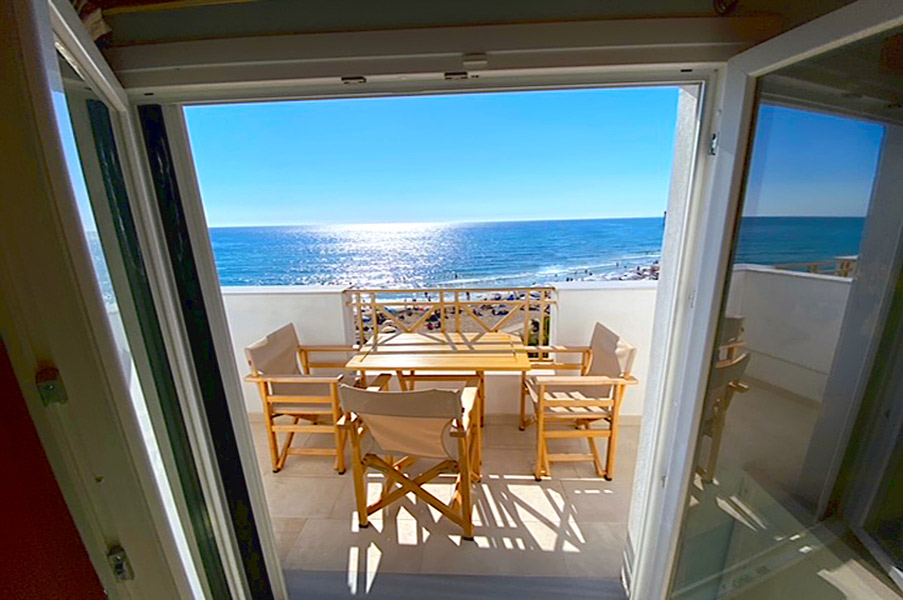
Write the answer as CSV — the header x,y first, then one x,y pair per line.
x,y
573,527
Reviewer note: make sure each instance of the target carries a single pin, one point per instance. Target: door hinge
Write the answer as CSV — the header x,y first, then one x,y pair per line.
x,y
119,562
713,145
50,385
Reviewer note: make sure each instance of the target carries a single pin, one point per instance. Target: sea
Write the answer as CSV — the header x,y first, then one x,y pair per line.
x,y
497,254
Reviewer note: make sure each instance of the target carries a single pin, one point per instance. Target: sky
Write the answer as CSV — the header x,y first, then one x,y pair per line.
x,y
807,163
465,157
571,154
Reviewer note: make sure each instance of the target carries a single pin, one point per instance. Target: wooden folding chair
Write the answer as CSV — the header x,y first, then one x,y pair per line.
x,y
291,394
724,381
566,406
731,337
431,424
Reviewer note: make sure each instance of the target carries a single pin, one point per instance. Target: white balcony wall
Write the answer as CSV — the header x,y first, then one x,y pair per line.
x,y
792,323
625,307
321,317
318,312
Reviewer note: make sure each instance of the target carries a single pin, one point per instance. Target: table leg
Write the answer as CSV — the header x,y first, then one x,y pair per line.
x,y
481,394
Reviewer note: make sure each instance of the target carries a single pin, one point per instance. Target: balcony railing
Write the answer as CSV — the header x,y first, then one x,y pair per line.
x,y
523,311
841,266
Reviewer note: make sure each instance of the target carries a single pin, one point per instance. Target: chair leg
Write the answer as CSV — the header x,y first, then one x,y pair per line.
x,y
522,424
714,449
594,450
271,435
481,395
358,471
614,423
541,460
464,483
339,434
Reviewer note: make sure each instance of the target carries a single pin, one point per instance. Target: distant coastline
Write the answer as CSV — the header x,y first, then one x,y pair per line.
x,y
497,254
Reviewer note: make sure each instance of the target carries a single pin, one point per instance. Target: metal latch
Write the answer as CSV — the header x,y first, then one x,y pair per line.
x,y
50,386
119,562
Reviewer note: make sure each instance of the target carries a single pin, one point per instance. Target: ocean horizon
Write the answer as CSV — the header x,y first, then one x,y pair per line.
x,y
497,253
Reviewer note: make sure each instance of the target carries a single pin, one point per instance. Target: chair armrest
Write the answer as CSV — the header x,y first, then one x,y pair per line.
x,y
557,348
261,378
739,386
584,380
328,348
380,383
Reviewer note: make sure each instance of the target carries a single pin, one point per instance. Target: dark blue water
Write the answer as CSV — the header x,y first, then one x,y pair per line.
x,y
775,240
494,254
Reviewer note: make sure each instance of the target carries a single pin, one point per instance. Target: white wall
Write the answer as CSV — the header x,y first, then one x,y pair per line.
x,y
321,317
625,307
318,313
792,322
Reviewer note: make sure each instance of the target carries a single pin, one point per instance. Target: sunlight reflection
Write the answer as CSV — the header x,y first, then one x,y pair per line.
x,y
374,554
353,559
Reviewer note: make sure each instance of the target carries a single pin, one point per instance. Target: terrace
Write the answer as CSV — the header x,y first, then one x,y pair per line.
x,y
570,528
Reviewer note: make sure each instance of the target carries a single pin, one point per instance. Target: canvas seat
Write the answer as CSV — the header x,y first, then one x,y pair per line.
x,y
567,406
296,400
391,431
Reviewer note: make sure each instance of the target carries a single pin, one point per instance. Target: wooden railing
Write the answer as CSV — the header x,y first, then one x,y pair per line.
x,y
524,311
841,266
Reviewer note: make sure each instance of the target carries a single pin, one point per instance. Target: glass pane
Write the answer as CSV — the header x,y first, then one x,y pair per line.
x,y
886,521
70,107
811,267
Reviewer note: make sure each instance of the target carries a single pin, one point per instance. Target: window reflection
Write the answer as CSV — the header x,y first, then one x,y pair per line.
x,y
811,270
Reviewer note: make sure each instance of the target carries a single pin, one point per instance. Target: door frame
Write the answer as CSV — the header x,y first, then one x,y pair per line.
x,y
219,552
715,193
695,342
51,310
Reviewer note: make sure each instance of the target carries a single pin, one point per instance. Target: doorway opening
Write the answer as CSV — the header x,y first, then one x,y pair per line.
x,y
528,216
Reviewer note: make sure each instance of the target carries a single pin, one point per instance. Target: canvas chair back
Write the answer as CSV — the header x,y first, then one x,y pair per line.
x,y
276,354
414,423
731,330
612,356
723,373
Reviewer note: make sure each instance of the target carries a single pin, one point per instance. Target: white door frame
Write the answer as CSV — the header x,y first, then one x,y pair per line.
x,y
704,260
72,40
689,75
695,336
51,310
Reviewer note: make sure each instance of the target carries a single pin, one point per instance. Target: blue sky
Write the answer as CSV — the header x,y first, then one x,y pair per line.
x,y
807,163
472,157
501,156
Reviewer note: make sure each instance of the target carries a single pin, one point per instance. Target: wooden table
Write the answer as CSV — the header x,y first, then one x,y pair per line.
x,y
442,356
443,352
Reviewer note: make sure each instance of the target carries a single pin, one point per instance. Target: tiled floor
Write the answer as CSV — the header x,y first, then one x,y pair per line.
x,y
571,526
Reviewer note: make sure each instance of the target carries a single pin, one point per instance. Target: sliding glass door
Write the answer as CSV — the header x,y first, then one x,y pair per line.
x,y
799,389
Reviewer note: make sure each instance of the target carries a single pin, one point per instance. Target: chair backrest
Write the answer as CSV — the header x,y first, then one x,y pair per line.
x,y
723,373
412,423
731,329
275,354
727,371
612,356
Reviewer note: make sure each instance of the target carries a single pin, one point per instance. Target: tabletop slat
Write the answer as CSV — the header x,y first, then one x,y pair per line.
x,y
442,352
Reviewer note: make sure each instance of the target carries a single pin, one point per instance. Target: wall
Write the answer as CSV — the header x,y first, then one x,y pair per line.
x,y
625,307
318,313
321,317
792,323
